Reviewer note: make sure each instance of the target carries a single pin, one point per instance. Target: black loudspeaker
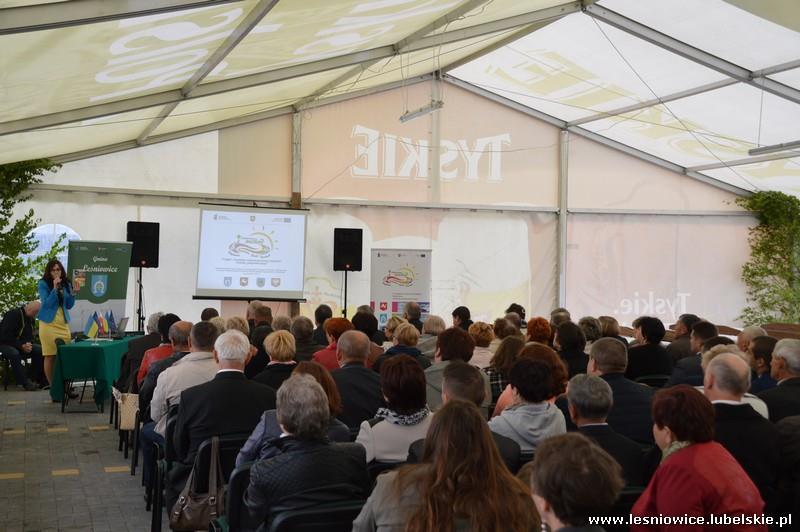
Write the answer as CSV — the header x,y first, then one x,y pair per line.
x,y
347,249
144,236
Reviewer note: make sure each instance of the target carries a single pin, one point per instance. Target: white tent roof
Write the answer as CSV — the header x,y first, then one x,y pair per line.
x,y
691,85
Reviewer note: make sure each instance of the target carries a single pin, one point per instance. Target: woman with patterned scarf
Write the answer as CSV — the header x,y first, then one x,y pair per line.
x,y
406,418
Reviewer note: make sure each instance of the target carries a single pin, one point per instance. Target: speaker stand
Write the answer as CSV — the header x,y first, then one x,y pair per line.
x,y
344,304
139,309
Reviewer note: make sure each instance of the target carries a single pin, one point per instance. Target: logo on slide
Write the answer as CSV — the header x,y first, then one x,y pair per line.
x,y
260,282
99,285
256,244
243,281
405,276
276,281
384,306
227,281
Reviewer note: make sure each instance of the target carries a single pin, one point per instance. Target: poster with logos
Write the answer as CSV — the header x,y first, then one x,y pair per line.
x,y
99,274
398,276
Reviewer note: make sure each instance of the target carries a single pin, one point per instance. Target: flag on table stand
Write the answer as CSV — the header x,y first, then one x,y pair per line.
x,y
112,326
102,324
91,326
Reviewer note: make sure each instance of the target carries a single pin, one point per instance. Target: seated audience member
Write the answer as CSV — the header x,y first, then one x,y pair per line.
x,y
227,404
590,400
179,338
208,313
412,314
250,314
405,340
482,335
461,317
302,329
592,331
365,308
282,323
789,473
573,480
321,314
388,331
452,344
219,323
539,330
630,411
784,399
558,316
536,351
514,319
750,438
502,328
359,387
746,335
519,310
367,323
689,370
501,363
309,470
760,351
260,325
334,327
680,347
405,419
157,353
531,419
456,487
708,355
609,328
280,349
16,343
238,323
261,443
378,338
464,382
431,328
129,365
697,476
648,357
570,344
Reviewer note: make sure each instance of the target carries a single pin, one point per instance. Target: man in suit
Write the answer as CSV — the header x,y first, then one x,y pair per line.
x,y
359,387
590,400
303,331
261,328
750,438
746,335
648,357
784,399
412,312
136,348
322,313
689,370
465,382
679,347
227,404
16,343
760,351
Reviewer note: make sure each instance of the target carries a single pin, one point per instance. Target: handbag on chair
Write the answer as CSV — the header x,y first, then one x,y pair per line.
x,y
195,511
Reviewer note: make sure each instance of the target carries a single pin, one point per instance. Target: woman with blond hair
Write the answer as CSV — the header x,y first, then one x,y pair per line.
x,y
456,487
405,340
280,348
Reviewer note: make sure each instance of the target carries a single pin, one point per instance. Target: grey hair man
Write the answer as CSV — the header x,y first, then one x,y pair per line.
x,y
413,312
152,322
282,323
784,399
750,438
359,387
365,308
747,334
590,400
303,331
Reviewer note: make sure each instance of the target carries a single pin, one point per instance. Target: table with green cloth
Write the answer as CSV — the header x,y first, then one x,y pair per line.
x,y
89,359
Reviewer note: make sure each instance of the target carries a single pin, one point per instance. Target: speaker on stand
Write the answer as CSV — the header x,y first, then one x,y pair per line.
x,y
347,255
144,254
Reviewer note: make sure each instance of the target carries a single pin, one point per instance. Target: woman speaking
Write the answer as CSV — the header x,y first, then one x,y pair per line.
x,y
55,293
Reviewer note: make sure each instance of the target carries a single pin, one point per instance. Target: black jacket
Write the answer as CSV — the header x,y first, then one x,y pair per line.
x,y
133,359
648,359
783,400
687,371
360,389
753,441
319,336
413,352
16,328
679,348
575,360
509,451
304,475
630,415
260,359
227,404
638,462
304,351
274,375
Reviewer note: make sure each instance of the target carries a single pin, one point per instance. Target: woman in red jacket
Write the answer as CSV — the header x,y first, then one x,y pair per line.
x,y
697,477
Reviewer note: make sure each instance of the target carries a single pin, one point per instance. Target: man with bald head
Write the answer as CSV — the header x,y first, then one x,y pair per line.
x,y
359,387
179,338
16,343
744,338
750,438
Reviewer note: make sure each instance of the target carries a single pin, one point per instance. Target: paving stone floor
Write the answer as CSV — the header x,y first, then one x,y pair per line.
x,y
62,472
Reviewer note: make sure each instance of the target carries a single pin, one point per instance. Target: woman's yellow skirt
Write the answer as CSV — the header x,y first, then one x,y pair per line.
x,y
50,332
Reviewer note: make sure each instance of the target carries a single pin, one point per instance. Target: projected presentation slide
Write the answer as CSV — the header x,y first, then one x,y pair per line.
x,y
252,253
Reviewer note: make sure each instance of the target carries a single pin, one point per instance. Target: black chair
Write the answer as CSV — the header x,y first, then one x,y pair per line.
x,y
354,433
234,507
376,468
164,456
622,507
335,517
229,446
525,457
654,381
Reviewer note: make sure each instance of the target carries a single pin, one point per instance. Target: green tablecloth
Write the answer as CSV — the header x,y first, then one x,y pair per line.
x,y
89,360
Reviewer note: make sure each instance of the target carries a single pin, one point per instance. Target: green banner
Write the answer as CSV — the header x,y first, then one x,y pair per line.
x,y
99,273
